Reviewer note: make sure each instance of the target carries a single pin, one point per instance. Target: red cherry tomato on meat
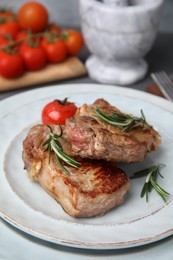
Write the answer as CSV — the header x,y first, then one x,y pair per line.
x,y
55,50
9,28
56,112
73,40
34,57
11,65
33,16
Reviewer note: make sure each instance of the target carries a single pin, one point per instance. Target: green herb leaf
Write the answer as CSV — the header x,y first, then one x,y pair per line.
x,y
52,144
151,174
123,121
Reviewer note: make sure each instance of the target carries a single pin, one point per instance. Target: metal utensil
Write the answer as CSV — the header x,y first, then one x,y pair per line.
x,y
164,83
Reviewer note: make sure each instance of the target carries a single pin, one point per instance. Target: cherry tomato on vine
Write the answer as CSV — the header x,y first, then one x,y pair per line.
x,y
33,16
11,65
34,57
56,112
55,49
9,28
73,40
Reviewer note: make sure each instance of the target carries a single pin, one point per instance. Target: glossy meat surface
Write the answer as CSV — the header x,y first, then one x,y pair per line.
x,y
90,190
92,138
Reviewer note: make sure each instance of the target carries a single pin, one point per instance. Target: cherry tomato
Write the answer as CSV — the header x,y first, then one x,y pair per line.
x,y
55,49
34,57
9,28
11,65
33,16
73,40
56,112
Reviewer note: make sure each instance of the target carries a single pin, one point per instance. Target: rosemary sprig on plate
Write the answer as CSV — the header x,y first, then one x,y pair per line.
x,y
151,174
124,121
52,144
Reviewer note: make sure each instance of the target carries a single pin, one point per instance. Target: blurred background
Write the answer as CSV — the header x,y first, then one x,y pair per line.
x,y
66,12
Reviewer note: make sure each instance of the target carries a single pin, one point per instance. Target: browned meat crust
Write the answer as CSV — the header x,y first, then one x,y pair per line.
x,y
92,138
92,189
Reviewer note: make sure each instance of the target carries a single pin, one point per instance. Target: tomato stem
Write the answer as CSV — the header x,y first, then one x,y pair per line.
x,y
5,19
30,39
62,102
51,36
64,35
13,43
31,42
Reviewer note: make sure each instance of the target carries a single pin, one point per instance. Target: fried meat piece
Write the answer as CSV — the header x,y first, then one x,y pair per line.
x,y
90,190
92,138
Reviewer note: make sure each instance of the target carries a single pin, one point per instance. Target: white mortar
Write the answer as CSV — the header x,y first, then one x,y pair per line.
x,y
119,38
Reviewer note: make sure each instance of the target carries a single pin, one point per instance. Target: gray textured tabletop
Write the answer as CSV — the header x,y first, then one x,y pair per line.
x,y
15,244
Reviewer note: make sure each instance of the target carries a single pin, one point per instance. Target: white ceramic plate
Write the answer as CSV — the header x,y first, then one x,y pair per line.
x,y
27,206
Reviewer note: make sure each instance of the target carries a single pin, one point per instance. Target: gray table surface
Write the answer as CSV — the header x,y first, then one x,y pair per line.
x,y
15,244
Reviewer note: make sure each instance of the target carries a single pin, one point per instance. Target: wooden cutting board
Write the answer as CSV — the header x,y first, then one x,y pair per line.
x,y
70,68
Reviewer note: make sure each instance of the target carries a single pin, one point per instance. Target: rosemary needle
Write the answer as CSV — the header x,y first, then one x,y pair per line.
x,y
124,121
151,174
52,144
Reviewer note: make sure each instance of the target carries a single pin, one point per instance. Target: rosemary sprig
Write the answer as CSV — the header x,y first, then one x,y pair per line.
x,y
52,144
151,174
123,121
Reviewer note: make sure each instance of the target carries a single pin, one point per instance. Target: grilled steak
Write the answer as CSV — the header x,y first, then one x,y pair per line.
x,y
90,190
92,138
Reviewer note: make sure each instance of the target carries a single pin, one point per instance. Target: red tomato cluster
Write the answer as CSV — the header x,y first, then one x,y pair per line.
x,y
28,41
